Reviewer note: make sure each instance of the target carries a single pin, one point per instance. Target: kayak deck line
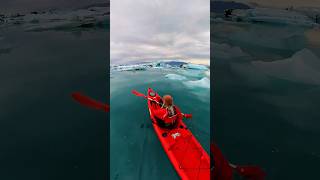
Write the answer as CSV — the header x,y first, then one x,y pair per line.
x,y
186,154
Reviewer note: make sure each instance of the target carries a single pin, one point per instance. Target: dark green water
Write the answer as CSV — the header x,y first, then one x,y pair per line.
x,y
269,121
44,134
136,152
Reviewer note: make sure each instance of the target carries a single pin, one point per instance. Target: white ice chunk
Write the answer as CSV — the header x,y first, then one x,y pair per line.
x,y
195,66
225,51
60,19
302,67
134,67
202,83
271,15
192,73
207,73
175,77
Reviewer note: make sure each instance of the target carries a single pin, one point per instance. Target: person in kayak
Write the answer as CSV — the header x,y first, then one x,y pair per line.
x,y
168,114
168,105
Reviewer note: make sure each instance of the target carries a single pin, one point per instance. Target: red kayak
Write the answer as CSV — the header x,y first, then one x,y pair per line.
x,y
186,154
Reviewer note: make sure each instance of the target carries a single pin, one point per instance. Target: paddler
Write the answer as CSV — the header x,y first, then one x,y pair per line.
x,y
168,113
168,105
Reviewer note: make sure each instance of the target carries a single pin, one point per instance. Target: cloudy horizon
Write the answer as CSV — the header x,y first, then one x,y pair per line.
x,y
146,30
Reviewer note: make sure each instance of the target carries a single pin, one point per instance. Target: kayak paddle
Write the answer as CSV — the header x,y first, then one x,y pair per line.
x,y
187,115
139,94
135,92
223,169
89,102
250,172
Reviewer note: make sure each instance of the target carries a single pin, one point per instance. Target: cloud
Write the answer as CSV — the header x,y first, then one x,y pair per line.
x,y
145,30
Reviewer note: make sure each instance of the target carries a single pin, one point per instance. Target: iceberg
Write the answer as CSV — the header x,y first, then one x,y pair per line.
x,y
192,73
175,77
276,16
169,64
195,66
135,67
302,67
256,40
158,65
225,51
202,83
207,73
60,19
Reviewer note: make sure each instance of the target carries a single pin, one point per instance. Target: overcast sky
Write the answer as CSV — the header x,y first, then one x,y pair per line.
x,y
145,30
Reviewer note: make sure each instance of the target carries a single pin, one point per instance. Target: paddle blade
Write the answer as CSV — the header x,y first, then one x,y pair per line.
x,y
135,92
89,102
221,170
188,115
251,172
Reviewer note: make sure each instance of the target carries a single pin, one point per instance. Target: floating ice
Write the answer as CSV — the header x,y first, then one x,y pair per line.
x,y
207,73
277,16
311,12
195,66
238,42
135,67
59,19
302,67
225,51
192,73
218,20
175,77
165,64
202,83
170,63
